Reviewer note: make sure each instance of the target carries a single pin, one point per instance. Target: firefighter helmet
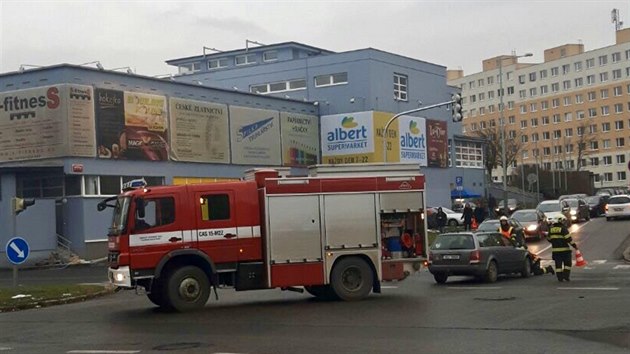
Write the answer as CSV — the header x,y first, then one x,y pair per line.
x,y
503,218
560,219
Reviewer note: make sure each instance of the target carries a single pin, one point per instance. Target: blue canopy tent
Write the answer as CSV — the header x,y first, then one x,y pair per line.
x,y
464,193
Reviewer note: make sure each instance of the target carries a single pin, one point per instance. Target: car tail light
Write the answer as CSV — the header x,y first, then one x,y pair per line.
x,y
606,207
475,256
430,260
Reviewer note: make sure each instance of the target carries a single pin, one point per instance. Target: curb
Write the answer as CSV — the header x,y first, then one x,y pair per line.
x,y
67,300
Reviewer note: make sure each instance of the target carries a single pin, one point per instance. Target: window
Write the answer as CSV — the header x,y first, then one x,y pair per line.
x,y
545,120
618,108
616,74
522,93
566,84
616,57
532,91
331,79
554,71
523,124
555,87
592,129
594,161
157,212
245,59
270,56
546,151
532,76
490,95
556,118
490,80
471,85
534,122
510,90
594,145
535,137
543,74
606,143
491,108
523,108
607,160
590,63
628,54
603,77
482,111
579,115
546,135
566,69
217,63
521,79
603,93
621,159
567,101
617,91
568,132
621,175
544,105
112,185
579,82
592,112
619,125
620,142
189,68
512,134
468,154
544,89
591,96
215,207
605,110
523,138
555,103
590,80
577,66
400,87
603,60
510,75
482,96
532,107
608,177
510,105
473,98
579,99
568,116
298,84
511,120
557,149
605,127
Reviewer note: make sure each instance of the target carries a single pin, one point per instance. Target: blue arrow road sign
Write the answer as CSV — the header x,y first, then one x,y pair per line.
x,y
17,250
459,180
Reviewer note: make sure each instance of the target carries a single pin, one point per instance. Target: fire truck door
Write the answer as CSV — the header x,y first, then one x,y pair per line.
x,y
215,229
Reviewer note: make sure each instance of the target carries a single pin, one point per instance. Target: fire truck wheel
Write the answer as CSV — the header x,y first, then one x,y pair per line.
x,y
322,292
351,279
157,295
188,288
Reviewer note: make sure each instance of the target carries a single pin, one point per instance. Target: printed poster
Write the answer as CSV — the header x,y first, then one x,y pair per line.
x,y
300,139
255,136
131,125
437,143
45,122
413,144
199,131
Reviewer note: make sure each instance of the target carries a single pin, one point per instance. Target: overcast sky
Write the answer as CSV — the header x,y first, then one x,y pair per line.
x,y
143,34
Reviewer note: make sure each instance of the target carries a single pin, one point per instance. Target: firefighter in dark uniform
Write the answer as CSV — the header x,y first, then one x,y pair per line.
x,y
507,231
561,241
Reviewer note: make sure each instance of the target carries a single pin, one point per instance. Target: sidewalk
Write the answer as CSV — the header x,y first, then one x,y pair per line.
x,y
70,274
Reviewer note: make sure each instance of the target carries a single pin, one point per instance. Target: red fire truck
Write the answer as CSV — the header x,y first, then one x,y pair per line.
x,y
337,234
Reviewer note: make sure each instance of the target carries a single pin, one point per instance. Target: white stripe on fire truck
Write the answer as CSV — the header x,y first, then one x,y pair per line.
x,y
156,238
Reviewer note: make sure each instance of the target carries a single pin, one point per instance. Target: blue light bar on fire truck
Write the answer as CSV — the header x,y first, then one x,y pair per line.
x,y
134,184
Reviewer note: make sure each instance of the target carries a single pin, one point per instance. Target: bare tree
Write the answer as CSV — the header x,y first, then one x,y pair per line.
x,y
584,140
492,137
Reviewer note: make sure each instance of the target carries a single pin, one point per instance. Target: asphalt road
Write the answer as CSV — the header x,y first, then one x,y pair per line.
x,y
591,314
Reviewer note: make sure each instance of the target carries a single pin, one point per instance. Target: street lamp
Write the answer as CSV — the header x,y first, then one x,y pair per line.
x,y
502,124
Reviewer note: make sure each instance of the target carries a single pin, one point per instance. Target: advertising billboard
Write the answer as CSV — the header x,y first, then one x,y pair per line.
x,y
300,139
437,143
131,125
46,122
199,131
255,136
413,143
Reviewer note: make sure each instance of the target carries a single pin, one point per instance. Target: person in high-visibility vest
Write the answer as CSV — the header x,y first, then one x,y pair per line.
x,y
506,230
560,239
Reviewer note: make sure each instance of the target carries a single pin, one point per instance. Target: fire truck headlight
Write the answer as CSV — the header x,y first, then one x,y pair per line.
x,y
120,277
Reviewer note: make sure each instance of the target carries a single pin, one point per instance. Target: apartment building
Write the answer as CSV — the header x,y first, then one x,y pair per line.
x,y
570,112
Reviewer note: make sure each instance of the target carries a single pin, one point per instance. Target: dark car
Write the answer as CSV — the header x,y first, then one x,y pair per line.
x,y
533,221
596,205
494,224
482,255
512,205
579,209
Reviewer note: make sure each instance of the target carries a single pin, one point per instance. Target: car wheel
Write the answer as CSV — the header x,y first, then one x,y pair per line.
x,y
187,288
588,217
492,272
453,222
352,279
157,294
440,278
527,268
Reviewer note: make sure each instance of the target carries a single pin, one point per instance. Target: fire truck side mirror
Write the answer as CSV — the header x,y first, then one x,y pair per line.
x,y
140,207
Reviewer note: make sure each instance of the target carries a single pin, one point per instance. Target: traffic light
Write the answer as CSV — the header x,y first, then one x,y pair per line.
x,y
20,204
457,107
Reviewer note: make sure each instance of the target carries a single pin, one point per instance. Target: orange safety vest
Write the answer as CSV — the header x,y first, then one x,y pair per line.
x,y
507,234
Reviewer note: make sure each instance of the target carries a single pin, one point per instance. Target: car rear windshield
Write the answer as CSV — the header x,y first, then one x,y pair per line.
x,y
547,207
619,200
453,242
593,200
489,226
573,203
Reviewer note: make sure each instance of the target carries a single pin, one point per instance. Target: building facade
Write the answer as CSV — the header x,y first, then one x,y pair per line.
x,y
570,112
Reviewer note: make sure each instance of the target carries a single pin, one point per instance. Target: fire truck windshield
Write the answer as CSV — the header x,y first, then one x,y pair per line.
x,y
119,219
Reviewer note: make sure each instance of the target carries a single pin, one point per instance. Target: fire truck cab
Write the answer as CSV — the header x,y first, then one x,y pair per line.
x,y
336,233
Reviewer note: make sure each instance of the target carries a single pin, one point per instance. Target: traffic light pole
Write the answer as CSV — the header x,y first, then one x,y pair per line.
x,y
15,267
389,122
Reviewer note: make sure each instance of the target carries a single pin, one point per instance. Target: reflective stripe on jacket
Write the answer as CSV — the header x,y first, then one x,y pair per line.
x,y
560,239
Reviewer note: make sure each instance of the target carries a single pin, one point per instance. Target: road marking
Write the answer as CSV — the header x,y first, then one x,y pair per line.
x,y
388,287
5,349
602,289
622,266
475,287
103,351
599,261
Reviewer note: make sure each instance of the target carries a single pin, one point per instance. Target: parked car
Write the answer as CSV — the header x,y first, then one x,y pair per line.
x,y
512,206
596,205
579,209
534,222
482,255
618,206
553,208
492,225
